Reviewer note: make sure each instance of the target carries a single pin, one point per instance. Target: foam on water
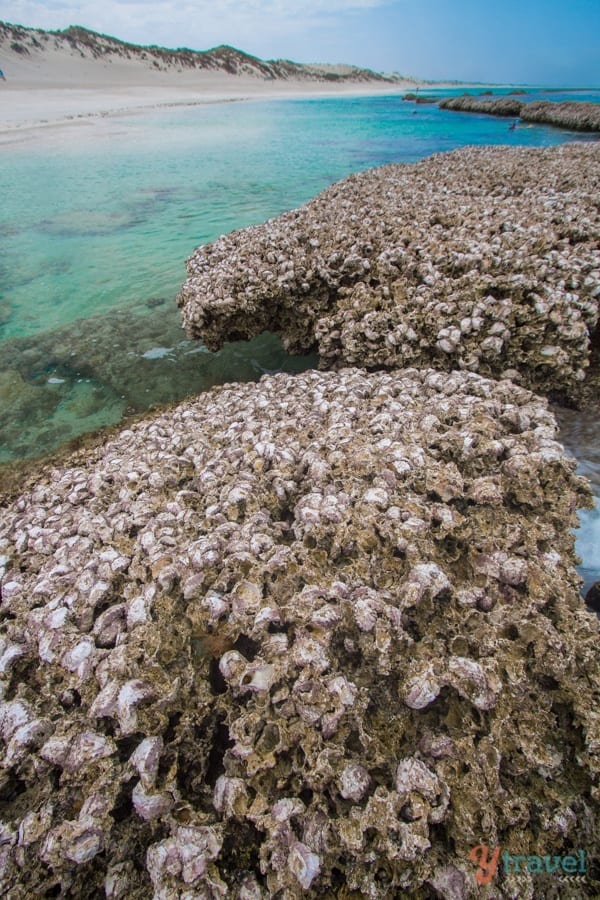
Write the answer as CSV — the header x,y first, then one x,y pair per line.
x,y
157,353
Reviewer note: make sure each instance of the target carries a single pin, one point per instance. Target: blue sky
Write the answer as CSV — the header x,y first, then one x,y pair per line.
x,y
551,42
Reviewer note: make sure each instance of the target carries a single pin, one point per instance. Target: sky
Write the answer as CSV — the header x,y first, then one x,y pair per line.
x,y
555,43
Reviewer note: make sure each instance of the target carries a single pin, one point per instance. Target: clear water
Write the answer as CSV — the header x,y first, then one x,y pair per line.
x,y
107,218
97,221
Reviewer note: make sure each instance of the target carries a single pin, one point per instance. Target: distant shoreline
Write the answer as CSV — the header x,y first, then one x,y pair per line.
x,y
77,77
31,107
35,105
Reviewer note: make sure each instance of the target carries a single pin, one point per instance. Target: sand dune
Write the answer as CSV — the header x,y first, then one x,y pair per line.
x,y
63,77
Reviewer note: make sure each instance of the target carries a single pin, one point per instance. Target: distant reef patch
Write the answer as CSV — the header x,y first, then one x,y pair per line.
x,y
573,115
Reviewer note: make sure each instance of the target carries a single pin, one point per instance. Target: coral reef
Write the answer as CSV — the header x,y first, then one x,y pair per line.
x,y
419,98
573,114
318,636
485,259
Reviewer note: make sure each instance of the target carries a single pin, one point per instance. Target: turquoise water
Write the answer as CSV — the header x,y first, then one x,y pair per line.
x,y
97,221
107,219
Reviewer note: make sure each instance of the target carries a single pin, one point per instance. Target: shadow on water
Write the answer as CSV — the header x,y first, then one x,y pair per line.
x,y
92,372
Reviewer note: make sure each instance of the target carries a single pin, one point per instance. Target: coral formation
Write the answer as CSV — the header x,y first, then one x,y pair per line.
x,y
484,259
419,98
318,636
573,114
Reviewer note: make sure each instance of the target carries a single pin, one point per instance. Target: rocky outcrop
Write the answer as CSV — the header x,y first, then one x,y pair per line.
x,y
419,98
313,636
574,115
484,259
501,106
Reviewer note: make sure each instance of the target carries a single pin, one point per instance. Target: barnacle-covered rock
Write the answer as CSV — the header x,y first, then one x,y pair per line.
x,y
575,115
484,259
315,637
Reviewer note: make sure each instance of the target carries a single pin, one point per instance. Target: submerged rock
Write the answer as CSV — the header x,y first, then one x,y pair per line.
x,y
315,636
87,374
484,259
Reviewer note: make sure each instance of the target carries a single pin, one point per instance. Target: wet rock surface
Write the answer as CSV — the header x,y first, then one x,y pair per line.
x,y
484,259
592,598
318,636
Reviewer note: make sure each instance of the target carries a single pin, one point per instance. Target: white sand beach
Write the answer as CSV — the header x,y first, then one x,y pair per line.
x,y
27,106
57,86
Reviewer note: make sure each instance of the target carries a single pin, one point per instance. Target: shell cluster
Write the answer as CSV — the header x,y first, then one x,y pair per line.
x,y
318,636
485,259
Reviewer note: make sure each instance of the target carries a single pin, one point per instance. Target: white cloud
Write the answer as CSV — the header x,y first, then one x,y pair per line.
x,y
51,13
